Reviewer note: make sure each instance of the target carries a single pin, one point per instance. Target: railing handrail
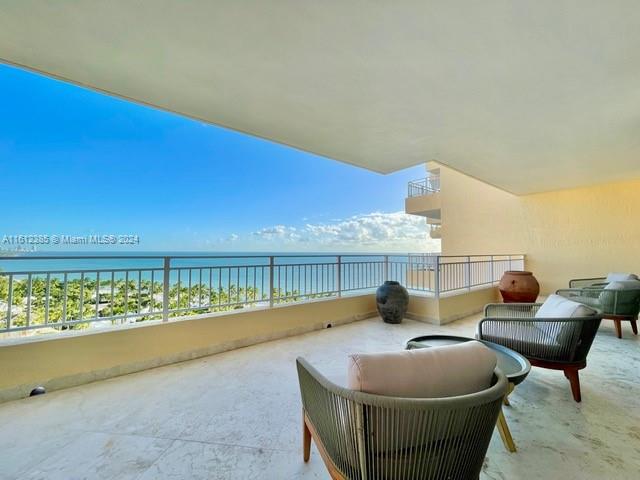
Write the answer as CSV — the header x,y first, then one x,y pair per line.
x,y
365,258
423,186
424,179
97,294
283,255
419,181
158,257
484,255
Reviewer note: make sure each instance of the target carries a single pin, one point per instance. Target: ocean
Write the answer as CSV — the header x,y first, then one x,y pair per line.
x,y
64,261
304,273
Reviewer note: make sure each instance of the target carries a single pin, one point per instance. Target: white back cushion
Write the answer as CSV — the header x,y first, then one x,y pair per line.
x,y
614,277
556,306
433,372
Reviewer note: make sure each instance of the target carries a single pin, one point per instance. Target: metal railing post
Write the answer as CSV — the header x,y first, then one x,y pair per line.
x,y
271,276
166,270
437,277
9,301
491,270
361,274
339,286
386,268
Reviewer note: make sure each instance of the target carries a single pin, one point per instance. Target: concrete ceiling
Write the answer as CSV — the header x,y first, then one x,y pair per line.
x,y
528,96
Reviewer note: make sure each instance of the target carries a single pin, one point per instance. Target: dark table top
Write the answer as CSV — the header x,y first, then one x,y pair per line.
x,y
515,366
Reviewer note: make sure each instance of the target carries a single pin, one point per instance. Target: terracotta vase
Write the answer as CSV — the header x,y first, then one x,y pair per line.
x,y
519,286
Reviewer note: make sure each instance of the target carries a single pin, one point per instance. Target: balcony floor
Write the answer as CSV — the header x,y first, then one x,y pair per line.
x,y
237,415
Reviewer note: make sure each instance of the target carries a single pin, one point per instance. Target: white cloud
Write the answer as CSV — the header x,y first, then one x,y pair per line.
x,y
212,243
395,231
278,232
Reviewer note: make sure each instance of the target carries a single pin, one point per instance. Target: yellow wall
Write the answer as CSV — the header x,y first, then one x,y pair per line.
x,y
73,359
70,360
583,232
454,307
448,308
580,232
478,218
423,309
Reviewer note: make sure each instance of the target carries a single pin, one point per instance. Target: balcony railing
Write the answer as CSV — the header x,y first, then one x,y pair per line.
x,y
424,186
38,292
461,273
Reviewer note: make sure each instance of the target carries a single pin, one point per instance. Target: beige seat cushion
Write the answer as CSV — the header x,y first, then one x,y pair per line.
x,y
433,372
556,306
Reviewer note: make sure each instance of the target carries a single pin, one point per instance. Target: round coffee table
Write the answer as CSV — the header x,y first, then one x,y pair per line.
x,y
514,366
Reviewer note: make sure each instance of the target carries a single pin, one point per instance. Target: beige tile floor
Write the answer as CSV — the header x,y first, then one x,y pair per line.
x,y
237,416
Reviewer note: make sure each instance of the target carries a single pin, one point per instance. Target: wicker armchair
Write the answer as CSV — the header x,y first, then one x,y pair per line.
x,y
616,305
554,343
364,436
601,282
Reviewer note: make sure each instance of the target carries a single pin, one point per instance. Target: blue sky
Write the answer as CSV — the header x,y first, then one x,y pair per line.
x,y
75,162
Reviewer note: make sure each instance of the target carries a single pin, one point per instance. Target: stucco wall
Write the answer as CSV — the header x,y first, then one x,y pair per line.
x,y
77,358
583,232
580,232
448,308
70,360
478,218
455,307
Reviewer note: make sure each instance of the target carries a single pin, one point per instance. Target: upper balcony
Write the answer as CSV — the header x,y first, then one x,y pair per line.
x,y
424,186
423,197
435,230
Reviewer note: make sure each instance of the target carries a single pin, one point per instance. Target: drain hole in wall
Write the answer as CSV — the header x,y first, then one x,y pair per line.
x,y
39,390
328,325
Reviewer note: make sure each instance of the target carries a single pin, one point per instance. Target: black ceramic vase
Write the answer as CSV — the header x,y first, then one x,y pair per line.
x,y
392,300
